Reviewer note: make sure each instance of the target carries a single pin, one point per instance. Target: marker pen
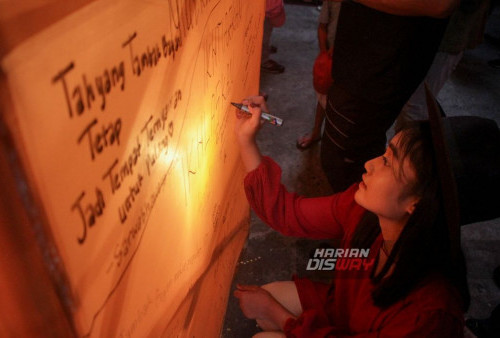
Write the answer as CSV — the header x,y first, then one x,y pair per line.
x,y
264,115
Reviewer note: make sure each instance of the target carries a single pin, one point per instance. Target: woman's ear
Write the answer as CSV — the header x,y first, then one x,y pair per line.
x,y
412,205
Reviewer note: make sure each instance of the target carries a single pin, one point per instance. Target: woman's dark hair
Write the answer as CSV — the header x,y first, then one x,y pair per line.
x,y
423,247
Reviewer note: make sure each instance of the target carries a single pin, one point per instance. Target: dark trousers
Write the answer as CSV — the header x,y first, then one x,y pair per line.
x,y
354,133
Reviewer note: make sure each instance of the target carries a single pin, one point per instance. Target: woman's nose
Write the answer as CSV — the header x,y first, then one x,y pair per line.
x,y
369,165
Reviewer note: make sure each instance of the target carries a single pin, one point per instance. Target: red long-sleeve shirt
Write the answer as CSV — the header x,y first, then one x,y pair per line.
x,y
345,308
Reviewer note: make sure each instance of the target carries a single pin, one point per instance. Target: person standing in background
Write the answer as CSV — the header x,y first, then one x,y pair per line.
x,y
275,17
464,31
327,28
383,51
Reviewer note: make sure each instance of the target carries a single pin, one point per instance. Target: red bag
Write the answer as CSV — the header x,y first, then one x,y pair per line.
x,y
322,73
275,12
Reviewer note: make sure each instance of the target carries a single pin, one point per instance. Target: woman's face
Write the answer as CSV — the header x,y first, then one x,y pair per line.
x,y
384,187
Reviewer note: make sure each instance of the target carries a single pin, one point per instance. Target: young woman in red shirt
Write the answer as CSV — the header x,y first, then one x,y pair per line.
x,y
404,210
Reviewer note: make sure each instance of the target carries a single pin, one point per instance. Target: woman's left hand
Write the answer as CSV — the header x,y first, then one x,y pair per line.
x,y
255,302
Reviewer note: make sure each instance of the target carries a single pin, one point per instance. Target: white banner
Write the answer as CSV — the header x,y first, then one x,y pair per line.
x,y
123,113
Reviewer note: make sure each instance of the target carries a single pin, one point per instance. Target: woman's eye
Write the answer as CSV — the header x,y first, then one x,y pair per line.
x,y
386,162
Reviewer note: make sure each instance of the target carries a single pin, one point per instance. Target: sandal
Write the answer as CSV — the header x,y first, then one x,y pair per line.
x,y
305,142
271,66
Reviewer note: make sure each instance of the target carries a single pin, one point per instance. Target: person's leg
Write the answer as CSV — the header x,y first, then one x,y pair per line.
x,y
266,40
354,133
285,292
266,64
308,140
318,122
339,170
440,71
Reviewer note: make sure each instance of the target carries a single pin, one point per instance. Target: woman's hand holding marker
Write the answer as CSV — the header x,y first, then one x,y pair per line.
x,y
246,128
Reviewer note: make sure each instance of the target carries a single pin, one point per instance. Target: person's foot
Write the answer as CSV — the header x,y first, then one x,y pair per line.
x,y
307,141
494,63
271,66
